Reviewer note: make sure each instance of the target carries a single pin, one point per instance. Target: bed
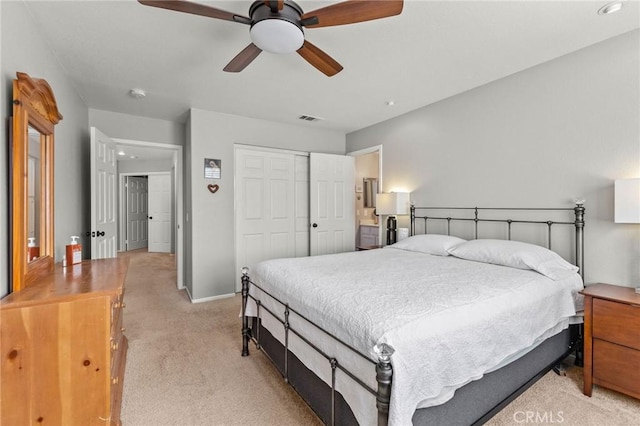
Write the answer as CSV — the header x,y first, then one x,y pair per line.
x,y
435,329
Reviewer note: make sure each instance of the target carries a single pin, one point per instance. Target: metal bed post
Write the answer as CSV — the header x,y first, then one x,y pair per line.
x,y
245,319
579,212
384,376
579,223
413,220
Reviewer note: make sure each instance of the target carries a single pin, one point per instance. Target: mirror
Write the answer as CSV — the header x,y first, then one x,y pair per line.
x,y
369,189
35,114
33,195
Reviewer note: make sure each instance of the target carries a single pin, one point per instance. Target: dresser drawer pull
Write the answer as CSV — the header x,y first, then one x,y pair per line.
x,y
123,329
124,305
114,346
114,381
635,306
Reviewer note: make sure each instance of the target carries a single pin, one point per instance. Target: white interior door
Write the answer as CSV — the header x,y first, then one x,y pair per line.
x,y
159,212
332,206
265,207
137,213
302,205
104,225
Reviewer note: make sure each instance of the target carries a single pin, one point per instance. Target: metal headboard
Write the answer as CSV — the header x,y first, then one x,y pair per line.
x,y
479,215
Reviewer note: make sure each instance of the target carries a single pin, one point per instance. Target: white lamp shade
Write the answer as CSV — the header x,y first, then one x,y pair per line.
x,y
393,203
627,201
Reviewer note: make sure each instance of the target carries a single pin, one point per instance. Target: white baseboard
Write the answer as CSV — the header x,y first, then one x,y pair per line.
x,y
208,299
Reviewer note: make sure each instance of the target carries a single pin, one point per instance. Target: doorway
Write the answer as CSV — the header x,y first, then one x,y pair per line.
x,y
144,152
136,207
368,175
146,212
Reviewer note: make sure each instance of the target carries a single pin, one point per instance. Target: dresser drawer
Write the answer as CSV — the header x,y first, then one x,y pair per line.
x,y
117,381
616,367
616,322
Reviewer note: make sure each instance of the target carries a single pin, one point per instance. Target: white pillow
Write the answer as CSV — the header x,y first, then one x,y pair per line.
x,y
436,244
515,254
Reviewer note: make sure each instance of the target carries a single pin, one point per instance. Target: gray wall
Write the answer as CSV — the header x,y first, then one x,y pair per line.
x,y
144,166
24,49
133,127
567,128
210,226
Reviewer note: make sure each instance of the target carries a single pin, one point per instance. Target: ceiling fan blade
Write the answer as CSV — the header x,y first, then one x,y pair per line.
x,y
316,57
243,58
197,9
350,12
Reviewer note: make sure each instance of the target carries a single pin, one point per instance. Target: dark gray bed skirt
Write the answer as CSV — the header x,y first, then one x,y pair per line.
x,y
474,403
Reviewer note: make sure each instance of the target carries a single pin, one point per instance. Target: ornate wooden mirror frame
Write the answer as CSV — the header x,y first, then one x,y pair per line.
x,y
35,113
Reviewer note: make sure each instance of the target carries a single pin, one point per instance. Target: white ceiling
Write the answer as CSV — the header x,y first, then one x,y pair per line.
x,y
433,50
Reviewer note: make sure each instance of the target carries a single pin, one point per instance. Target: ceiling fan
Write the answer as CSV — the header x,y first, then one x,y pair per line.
x,y
276,26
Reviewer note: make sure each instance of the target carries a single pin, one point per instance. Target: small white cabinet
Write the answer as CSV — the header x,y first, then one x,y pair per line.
x,y
368,235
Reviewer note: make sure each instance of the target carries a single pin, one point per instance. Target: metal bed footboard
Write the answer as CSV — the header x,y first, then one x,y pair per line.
x,y
383,368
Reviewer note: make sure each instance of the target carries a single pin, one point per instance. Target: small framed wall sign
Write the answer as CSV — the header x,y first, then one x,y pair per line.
x,y
212,168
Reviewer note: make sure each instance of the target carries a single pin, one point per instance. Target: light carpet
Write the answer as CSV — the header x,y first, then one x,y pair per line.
x,y
184,368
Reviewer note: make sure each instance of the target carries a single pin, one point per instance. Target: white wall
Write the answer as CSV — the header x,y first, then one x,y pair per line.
x,y
24,49
210,227
565,128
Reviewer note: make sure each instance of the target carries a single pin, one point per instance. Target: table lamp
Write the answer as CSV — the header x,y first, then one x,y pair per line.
x,y
627,202
392,204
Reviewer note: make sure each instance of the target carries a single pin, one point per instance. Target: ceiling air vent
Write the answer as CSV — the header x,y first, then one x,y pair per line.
x,y
309,118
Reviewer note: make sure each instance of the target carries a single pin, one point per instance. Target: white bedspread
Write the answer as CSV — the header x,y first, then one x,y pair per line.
x,y
449,320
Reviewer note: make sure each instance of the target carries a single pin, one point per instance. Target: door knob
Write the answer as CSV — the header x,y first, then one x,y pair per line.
x,y
150,217
315,225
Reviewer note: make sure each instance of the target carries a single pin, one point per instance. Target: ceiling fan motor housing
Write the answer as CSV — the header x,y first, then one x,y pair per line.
x,y
276,32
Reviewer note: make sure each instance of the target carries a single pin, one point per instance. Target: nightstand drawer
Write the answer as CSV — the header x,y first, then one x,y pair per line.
x,y
616,367
616,322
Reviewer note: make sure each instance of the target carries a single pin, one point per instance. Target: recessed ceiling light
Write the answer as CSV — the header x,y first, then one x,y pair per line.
x,y
390,103
121,153
137,93
133,156
610,8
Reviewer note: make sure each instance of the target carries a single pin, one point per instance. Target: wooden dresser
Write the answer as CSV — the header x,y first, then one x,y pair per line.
x,y
63,347
612,339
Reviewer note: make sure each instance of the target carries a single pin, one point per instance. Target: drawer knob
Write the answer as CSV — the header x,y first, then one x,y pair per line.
x,y
123,329
114,346
114,381
124,305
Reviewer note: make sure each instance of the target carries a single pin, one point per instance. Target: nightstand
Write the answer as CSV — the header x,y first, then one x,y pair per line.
x,y
612,339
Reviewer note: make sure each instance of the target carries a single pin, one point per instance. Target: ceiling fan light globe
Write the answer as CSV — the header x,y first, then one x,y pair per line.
x,y
277,36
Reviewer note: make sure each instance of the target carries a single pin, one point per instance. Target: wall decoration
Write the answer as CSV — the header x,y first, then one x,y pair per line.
x,y
212,168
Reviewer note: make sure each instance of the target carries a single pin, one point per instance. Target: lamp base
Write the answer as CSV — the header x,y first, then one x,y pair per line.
x,y
391,230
